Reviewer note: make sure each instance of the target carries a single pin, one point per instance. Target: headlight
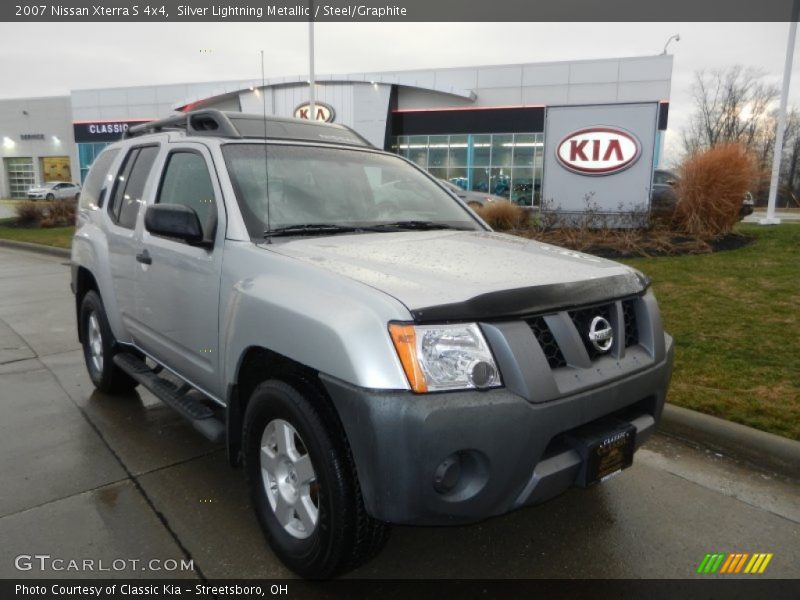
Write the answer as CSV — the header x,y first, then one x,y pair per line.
x,y
445,357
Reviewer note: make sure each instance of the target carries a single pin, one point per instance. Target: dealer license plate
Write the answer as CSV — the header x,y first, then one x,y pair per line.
x,y
606,448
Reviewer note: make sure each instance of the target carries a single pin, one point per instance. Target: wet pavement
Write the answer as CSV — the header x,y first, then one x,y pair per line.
x,y
84,475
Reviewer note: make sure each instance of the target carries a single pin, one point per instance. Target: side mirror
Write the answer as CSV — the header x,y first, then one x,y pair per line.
x,y
174,221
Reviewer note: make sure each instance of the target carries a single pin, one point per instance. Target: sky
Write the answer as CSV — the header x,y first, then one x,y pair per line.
x,y
44,59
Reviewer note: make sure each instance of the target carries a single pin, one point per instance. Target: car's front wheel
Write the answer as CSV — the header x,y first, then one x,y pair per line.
x,y
50,197
303,482
99,347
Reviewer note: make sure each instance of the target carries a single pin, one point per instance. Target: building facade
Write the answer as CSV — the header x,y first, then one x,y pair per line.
x,y
494,129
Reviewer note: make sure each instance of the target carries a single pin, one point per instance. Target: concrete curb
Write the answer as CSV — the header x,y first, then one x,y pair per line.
x,y
766,450
40,248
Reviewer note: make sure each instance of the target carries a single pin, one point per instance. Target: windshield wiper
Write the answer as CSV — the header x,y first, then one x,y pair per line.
x,y
310,229
420,225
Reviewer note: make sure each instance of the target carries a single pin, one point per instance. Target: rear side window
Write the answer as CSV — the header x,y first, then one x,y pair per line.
x,y
130,185
98,178
186,181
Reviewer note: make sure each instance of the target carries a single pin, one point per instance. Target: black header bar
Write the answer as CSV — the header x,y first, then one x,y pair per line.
x,y
409,11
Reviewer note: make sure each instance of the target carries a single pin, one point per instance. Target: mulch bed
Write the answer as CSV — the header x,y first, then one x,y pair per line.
x,y
633,244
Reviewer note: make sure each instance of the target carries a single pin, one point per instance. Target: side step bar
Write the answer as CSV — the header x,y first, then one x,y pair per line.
x,y
184,399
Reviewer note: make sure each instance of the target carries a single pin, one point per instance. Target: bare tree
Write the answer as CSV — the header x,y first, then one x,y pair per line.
x,y
730,105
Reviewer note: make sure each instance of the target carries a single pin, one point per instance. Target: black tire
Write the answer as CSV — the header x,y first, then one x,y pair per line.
x,y
107,377
345,536
50,197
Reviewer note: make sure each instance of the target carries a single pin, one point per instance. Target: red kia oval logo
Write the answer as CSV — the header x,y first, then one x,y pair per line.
x,y
598,151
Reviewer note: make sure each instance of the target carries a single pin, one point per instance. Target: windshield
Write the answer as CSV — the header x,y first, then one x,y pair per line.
x,y
312,185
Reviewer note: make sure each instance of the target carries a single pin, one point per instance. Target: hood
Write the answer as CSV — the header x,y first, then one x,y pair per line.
x,y
455,275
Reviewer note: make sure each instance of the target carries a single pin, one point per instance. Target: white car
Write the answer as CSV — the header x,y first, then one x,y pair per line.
x,y
55,190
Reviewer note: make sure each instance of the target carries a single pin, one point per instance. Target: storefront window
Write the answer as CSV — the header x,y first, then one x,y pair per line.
x,y
502,149
458,176
458,151
418,150
504,164
438,147
479,179
524,147
481,150
86,155
500,182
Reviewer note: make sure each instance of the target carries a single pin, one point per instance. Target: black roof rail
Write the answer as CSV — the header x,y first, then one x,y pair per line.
x,y
212,123
236,125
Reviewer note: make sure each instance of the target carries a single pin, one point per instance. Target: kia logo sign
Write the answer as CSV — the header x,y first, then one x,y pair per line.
x,y
598,151
322,112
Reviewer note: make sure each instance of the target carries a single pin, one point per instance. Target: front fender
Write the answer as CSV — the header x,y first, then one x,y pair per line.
x,y
324,321
90,251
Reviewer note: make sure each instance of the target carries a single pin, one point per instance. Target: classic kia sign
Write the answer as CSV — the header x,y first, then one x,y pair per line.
x,y
322,112
598,150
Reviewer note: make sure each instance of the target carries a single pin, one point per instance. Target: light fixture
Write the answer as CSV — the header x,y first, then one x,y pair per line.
x,y
55,139
676,37
8,142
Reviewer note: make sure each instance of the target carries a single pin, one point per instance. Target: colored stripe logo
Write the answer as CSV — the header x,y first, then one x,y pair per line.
x,y
735,562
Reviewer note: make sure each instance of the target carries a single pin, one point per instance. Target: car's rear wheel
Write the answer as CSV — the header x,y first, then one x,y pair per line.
x,y
99,347
303,482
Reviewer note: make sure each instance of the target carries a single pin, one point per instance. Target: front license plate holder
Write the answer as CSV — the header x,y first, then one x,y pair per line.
x,y
606,447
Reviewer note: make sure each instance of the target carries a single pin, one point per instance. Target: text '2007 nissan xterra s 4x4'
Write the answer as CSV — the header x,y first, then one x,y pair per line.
x,y
369,349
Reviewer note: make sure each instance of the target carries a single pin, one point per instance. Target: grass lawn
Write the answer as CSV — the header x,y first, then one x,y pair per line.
x,y
60,237
735,317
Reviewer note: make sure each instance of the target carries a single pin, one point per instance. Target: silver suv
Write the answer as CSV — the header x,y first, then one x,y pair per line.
x,y
367,348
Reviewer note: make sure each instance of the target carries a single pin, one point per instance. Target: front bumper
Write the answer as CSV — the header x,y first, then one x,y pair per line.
x,y
512,450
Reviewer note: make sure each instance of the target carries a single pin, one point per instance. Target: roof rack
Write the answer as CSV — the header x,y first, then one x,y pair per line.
x,y
236,125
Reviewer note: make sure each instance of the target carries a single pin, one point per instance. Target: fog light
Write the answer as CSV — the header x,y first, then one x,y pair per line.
x,y
447,474
482,374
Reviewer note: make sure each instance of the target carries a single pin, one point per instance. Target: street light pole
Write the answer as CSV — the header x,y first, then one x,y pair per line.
x,y
771,219
312,111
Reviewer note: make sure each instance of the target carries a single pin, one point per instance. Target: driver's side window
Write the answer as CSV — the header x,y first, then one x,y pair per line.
x,y
186,181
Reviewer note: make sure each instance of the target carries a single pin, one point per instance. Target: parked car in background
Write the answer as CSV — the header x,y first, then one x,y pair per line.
x,y
55,190
473,199
664,196
748,206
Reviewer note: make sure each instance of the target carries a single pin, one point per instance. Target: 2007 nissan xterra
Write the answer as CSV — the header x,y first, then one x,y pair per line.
x,y
367,347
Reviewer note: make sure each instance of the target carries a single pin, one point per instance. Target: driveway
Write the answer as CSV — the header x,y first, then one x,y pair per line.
x,y
86,475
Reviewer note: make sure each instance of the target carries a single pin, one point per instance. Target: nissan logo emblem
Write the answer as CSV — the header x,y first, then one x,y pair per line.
x,y
600,334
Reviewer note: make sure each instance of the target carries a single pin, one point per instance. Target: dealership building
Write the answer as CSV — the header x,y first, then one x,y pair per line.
x,y
559,132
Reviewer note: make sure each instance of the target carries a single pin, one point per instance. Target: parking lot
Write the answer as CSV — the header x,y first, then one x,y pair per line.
x,y
89,476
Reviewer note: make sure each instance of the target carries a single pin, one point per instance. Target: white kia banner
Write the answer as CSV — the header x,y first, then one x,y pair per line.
x,y
598,150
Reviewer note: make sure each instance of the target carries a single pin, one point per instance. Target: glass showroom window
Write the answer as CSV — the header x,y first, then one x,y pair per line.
x,y
86,155
504,164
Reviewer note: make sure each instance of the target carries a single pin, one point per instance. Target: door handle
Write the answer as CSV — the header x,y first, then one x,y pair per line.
x,y
144,258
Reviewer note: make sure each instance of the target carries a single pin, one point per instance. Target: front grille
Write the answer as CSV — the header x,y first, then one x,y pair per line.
x,y
582,319
629,319
548,343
